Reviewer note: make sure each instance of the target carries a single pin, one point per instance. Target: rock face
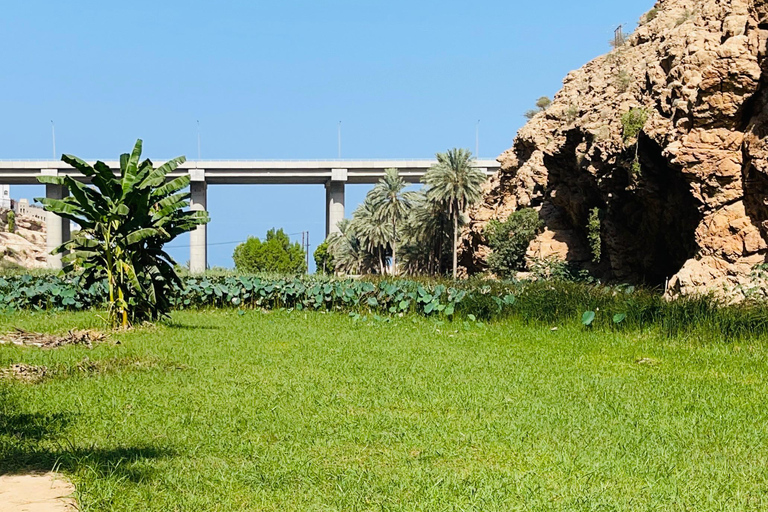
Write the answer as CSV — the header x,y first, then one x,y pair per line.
x,y
684,200
26,246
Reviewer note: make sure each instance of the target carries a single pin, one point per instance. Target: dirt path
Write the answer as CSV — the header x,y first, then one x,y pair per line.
x,y
41,492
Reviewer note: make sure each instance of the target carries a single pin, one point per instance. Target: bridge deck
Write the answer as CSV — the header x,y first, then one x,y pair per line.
x,y
253,171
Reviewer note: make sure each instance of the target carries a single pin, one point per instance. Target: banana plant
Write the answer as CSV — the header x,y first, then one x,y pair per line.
x,y
125,220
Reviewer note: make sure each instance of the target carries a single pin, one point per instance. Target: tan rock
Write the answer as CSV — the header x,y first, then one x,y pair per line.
x,y
698,208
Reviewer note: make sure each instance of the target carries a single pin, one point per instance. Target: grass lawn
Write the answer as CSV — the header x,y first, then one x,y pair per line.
x,y
309,411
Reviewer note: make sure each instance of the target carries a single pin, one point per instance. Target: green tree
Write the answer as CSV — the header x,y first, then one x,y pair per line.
x,y
543,103
324,261
275,254
509,241
391,205
455,183
125,220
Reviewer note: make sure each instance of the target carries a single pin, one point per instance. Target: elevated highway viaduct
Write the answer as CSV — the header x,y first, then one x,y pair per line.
x,y
333,174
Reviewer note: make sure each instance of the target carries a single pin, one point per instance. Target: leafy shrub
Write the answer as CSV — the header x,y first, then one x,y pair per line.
x,y
571,114
622,81
651,15
542,104
553,268
530,114
324,259
593,234
632,122
685,16
11,221
275,254
509,240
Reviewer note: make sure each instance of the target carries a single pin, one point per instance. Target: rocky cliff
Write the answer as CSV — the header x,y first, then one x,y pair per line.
x,y
686,198
26,246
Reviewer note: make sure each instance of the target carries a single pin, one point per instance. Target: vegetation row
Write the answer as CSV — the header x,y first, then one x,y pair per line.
x,y
551,302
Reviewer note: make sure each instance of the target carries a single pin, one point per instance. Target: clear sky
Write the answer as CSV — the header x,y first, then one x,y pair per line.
x,y
271,80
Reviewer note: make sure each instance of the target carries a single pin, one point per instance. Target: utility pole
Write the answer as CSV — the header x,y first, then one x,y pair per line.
x,y
305,246
53,137
198,141
618,36
339,140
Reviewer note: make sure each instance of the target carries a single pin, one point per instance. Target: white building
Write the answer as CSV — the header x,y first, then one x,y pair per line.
x,y
5,196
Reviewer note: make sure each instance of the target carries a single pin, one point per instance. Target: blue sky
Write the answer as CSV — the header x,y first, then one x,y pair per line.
x,y
271,80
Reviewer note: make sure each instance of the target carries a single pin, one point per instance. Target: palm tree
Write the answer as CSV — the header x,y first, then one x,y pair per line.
x,y
346,248
454,182
374,234
424,234
391,206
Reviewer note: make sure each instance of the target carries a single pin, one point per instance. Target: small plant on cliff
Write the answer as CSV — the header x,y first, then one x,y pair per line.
x,y
685,16
651,15
509,241
11,219
542,104
622,81
125,220
593,234
632,122
571,114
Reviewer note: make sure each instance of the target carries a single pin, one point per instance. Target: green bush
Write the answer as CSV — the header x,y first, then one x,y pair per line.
x,y
509,241
275,254
632,122
324,259
11,220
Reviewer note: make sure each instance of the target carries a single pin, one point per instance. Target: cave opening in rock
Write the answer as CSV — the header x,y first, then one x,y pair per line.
x,y
652,225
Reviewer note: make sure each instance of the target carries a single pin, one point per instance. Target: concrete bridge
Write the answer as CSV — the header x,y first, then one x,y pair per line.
x,y
334,174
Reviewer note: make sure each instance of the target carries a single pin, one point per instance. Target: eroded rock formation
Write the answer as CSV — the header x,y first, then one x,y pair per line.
x,y
695,210
26,246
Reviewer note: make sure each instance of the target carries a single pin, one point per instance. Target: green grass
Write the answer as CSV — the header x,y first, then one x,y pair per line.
x,y
311,411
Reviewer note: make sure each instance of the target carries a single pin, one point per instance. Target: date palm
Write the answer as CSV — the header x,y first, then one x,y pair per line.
x,y
124,222
374,234
456,183
391,206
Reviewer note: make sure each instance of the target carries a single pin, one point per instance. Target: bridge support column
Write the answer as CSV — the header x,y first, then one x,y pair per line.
x,y
198,237
334,201
56,228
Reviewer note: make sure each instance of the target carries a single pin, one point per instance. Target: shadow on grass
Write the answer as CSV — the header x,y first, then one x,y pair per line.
x,y
37,443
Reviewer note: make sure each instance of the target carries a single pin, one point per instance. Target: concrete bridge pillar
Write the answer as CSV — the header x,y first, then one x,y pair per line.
x,y
334,200
198,237
56,228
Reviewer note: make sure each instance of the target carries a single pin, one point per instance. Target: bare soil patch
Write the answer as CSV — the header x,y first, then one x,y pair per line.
x,y
41,492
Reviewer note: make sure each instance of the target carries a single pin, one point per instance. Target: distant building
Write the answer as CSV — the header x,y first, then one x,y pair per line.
x,y
5,196
24,209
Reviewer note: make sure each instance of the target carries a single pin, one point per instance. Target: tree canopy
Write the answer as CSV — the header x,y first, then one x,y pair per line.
x,y
275,254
